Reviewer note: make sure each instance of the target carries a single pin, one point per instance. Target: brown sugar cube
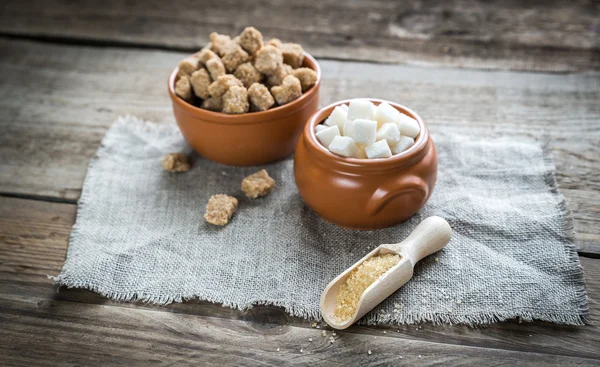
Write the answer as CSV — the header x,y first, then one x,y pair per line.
x,y
218,42
183,88
215,67
175,162
220,209
258,184
233,56
206,54
213,104
268,59
200,81
288,91
274,42
235,100
307,77
293,54
248,74
283,70
188,65
260,98
251,39
220,86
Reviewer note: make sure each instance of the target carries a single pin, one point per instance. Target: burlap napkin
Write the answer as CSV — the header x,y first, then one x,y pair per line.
x,y
140,235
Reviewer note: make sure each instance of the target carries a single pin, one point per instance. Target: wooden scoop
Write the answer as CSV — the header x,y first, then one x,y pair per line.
x,y
431,235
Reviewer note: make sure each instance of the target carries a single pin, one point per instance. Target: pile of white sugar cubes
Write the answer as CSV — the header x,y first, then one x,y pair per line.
x,y
363,130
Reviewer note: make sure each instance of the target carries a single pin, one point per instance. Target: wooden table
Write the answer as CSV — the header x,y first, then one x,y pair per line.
x,y
68,69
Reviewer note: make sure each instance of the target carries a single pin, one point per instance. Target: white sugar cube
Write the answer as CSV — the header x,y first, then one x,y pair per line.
x,y
344,107
364,131
408,126
344,146
378,149
327,135
389,132
348,129
404,143
361,109
321,127
386,113
337,117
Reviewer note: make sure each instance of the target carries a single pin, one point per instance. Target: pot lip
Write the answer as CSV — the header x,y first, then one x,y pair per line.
x,y
407,158
251,117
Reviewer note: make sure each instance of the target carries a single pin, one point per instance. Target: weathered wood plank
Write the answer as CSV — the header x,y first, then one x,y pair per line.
x,y
75,334
544,36
53,117
33,243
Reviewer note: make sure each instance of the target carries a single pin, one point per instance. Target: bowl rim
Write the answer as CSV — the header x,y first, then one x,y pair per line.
x,y
407,158
250,117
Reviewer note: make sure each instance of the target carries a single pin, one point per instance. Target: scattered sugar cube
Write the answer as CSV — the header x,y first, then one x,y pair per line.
x,y
386,113
379,149
344,146
175,162
338,117
258,184
251,39
361,109
364,131
235,100
327,135
408,126
260,97
321,127
219,209
404,143
389,132
288,91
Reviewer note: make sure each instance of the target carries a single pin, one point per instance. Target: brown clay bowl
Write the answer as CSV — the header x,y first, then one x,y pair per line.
x,y
247,139
364,193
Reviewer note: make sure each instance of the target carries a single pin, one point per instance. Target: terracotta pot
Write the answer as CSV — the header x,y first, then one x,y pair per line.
x,y
247,139
364,193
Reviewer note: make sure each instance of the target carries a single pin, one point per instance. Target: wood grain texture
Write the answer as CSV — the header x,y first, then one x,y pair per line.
x,y
57,102
33,243
535,35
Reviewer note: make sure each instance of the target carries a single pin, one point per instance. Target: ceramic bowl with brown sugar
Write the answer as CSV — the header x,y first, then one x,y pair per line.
x,y
247,139
365,193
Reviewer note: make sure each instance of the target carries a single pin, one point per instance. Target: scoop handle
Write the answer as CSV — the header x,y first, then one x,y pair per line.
x,y
431,235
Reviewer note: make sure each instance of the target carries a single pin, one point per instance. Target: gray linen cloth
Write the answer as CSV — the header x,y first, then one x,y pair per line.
x,y
140,235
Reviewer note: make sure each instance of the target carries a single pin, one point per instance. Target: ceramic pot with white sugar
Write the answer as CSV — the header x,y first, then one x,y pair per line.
x,y
365,193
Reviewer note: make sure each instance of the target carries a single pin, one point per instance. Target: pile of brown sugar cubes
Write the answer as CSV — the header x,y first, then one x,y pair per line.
x,y
244,74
